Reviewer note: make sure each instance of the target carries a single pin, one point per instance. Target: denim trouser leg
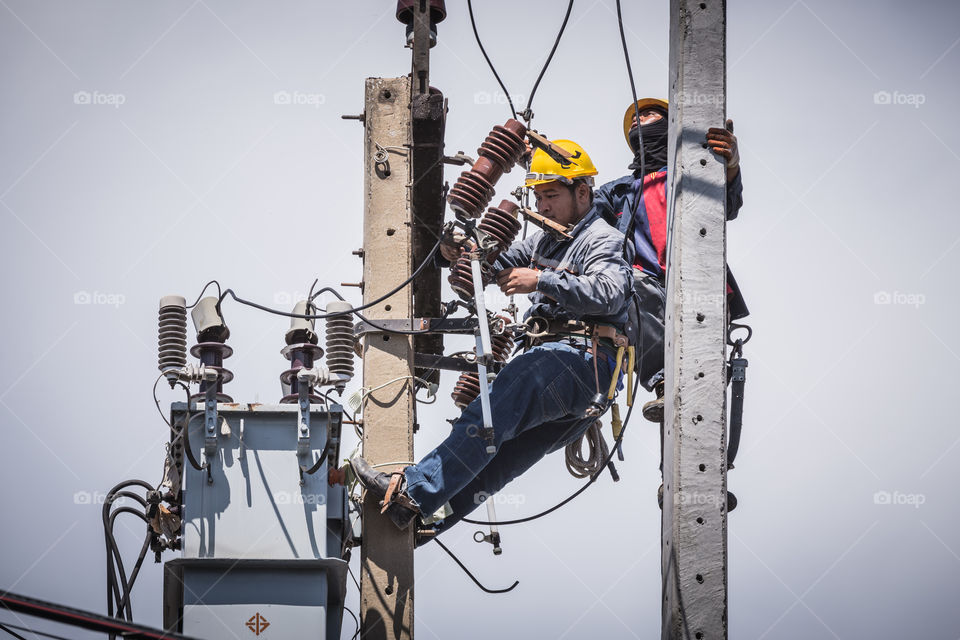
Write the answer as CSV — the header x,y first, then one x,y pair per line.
x,y
512,460
545,387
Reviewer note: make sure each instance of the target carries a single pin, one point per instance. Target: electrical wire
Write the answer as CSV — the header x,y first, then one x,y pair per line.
x,y
472,577
13,633
628,233
355,620
359,592
3,626
527,114
556,43
593,478
320,316
118,585
204,290
496,75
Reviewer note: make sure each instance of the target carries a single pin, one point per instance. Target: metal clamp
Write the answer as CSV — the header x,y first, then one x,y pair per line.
x,y
493,538
303,420
210,414
438,325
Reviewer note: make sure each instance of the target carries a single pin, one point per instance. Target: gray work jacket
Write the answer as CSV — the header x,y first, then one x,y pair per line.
x,y
584,278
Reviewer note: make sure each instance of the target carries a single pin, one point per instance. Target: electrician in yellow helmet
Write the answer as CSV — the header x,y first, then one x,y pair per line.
x,y
549,395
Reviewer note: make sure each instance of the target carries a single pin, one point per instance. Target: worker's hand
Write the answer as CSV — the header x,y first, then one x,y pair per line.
x,y
450,246
518,280
723,143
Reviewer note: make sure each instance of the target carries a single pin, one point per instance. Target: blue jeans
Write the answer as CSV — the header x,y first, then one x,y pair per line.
x,y
537,402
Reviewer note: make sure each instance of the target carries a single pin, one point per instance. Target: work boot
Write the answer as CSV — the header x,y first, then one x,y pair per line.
x,y
390,491
653,410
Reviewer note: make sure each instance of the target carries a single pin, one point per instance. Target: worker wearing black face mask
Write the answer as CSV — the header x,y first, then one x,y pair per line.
x,y
649,229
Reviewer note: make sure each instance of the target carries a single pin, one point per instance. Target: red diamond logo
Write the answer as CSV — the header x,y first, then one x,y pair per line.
x,y
257,624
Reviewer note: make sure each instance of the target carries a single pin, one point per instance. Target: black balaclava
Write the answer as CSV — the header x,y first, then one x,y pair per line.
x,y
654,146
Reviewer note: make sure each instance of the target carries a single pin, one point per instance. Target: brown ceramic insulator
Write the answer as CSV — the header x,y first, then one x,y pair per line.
x,y
467,389
501,346
468,386
504,145
461,277
498,153
501,222
470,195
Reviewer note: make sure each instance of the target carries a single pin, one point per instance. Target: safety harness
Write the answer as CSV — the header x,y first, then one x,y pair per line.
x,y
539,330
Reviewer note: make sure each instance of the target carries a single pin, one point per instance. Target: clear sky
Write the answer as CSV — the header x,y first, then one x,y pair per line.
x,y
143,152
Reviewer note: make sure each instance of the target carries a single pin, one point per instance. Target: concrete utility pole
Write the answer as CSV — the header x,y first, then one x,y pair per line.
x,y
386,564
403,217
694,553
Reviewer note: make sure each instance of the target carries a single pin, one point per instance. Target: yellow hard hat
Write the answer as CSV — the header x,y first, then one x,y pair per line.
x,y
643,103
545,169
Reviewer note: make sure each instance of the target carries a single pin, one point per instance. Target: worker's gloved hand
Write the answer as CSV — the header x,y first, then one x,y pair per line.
x,y
723,143
450,246
518,280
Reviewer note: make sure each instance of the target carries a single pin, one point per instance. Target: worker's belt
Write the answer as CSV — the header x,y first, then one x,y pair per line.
x,y
558,329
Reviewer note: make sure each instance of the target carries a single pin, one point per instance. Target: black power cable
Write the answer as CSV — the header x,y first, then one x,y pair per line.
x,y
472,577
628,232
556,43
13,633
118,585
28,630
527,114
320,316
204,290
496,75
593,478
